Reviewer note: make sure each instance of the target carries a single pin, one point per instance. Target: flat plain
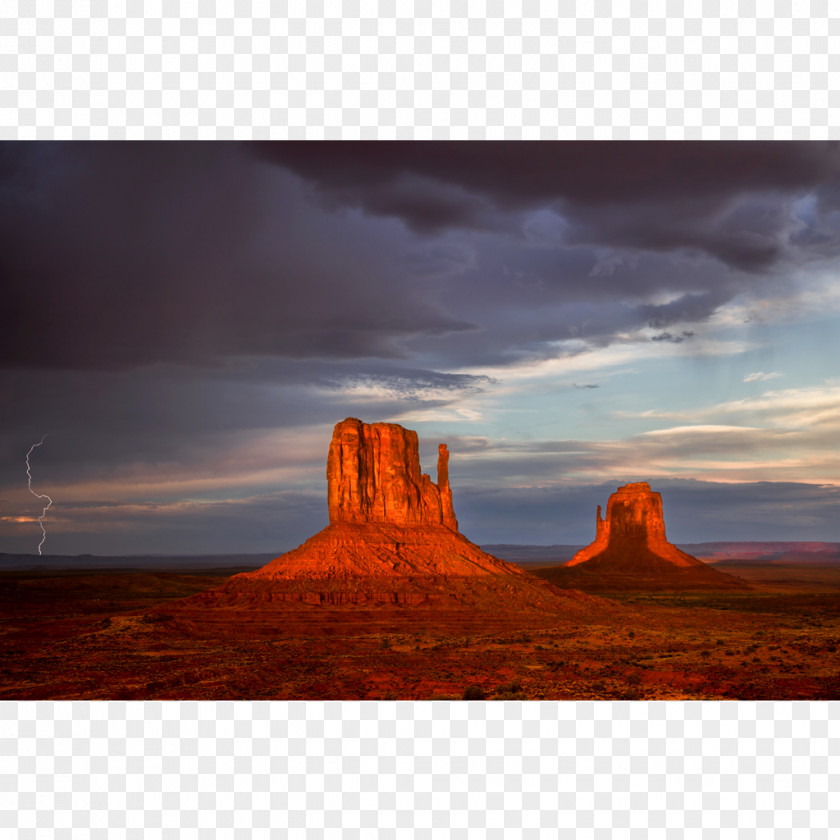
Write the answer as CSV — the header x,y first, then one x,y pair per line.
x,y
134,635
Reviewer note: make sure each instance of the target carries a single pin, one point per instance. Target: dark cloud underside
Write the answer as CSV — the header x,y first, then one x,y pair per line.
x,y
115,255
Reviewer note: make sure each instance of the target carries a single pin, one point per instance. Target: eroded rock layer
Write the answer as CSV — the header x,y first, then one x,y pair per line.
x,y
350,563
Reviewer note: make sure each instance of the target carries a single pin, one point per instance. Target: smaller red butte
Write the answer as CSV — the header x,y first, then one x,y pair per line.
x,y
634,519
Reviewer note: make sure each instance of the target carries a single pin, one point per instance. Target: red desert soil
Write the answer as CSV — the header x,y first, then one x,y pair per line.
x,y
127,636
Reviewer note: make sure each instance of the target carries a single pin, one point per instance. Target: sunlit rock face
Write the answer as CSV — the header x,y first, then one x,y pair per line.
x,y
373,475
631,548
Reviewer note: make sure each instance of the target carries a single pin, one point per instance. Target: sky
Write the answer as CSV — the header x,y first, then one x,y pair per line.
x,y
188,321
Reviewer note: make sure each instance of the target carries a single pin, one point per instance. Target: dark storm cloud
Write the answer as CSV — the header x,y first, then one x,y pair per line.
x,y
118,254
820,229
680,193
121,255
521,174
542,302
748,239
690,307
671,338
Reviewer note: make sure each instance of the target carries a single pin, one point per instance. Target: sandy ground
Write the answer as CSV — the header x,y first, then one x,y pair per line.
x,y
111,635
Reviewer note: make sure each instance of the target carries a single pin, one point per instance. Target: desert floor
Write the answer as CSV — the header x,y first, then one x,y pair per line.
x,y
126,636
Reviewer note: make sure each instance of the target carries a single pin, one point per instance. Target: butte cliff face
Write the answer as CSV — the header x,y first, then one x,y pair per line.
x,y
373,475
392,538
631,550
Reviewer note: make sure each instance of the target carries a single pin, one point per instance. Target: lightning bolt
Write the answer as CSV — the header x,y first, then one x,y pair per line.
x,y
38,495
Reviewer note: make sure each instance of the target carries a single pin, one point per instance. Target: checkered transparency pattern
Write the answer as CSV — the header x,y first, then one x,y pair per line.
x,y
621,69
389,770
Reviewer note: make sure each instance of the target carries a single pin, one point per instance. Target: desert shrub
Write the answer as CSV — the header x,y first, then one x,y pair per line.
x,y
508,688
509,691
473,692
631,693
156,618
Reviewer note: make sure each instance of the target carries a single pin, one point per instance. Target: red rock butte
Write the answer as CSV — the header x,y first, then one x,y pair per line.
x,y
373,475
392,538
631,549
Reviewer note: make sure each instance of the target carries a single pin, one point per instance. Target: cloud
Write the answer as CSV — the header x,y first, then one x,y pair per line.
x,y
435,256
761,377
673,339
523,174
654,195
414,386
270,522
121,255
695,511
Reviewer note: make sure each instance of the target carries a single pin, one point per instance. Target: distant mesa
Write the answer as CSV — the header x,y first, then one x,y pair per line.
x,y
634,524
392,538
631,551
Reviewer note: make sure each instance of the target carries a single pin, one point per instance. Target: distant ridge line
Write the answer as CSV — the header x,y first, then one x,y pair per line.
x,y
711,552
